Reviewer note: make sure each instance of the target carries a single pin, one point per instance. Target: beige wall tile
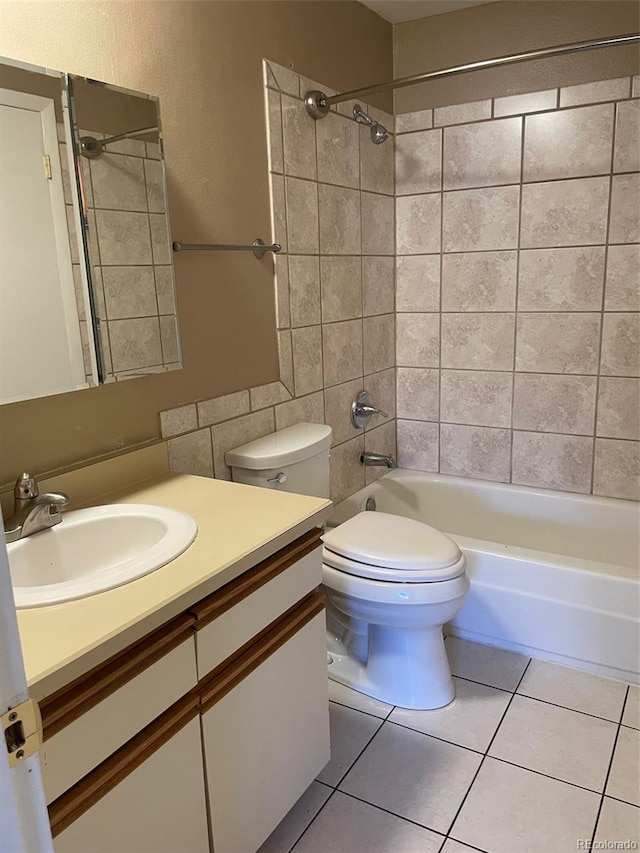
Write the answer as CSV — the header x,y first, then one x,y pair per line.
x,y
482,155
382,388
382,439
223,408
376,164
561,279
191,454
621,345
338,157
377,224
618,408
278,211
135,343
337,409
617,469
169,339
478,341
308,409
160,239
154,180
264,396
418,224
285,359
550,461
304,290
124,237
460,113
418,283
624,224
307,359
299,137
302,216
622,290
165,290
477,397
235,433
419,162
340,230
419,120
417,340
530,103
558,343
377,285
342,346
483,219
286,80
347,473
274,131
479,452
118,182
418,393
283,310
564,213
177,421
129,292
341,278
592,93
479,281
568,143
626,157
635,86
551,403
418,443
378,342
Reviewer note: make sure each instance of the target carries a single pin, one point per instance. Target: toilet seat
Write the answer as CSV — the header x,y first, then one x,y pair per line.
x,y
382,547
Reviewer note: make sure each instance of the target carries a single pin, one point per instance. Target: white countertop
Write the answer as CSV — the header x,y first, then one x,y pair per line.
x,y
238,526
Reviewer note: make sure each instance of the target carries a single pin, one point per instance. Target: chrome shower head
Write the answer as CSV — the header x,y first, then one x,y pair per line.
x,y
378,133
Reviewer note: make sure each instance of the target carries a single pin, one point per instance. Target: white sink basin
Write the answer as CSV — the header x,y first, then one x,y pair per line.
x,y
96,549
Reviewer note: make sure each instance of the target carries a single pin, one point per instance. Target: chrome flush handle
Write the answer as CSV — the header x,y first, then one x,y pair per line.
x,y
279,478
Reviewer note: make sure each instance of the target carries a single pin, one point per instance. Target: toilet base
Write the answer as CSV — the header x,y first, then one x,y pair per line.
x,y
408,669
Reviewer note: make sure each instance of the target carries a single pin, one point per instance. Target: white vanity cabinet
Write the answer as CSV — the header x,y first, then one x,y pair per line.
x,y
204,734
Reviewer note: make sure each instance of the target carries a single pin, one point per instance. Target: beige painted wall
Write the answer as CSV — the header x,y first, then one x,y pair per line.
x,y
203,59
496,29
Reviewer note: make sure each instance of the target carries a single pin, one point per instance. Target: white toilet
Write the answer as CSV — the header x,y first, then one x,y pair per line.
x,y
391,582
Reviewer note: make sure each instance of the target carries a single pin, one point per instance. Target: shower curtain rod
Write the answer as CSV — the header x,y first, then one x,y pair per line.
x,y
318,103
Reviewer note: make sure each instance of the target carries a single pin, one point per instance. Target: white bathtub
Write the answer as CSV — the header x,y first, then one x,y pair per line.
x,y
553,575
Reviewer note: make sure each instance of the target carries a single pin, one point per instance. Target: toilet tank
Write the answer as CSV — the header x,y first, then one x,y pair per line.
x,y
295,459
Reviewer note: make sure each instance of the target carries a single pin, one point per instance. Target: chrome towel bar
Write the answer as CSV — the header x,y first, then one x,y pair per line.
x,y
258,247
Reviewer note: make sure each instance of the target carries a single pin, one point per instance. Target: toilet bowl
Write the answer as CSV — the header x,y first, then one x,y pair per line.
x,y
392,583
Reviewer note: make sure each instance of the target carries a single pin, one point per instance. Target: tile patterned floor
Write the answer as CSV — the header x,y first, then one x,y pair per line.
x,y
531,757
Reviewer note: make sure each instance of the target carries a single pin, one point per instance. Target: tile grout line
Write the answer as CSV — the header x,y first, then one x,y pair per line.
x,y
440,300
516,313
486,753
606,779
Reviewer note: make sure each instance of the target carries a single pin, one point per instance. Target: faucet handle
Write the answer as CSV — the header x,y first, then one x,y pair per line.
x,y
362,409
26,487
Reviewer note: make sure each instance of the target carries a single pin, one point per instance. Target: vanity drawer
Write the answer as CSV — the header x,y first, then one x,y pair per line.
x,y
231,617
93,717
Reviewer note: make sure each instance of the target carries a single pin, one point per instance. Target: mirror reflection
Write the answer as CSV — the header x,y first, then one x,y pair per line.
x,y
45,346
122,182
86,275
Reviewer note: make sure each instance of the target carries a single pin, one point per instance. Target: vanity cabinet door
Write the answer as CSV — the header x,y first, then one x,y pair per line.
x,y
158,807
265,729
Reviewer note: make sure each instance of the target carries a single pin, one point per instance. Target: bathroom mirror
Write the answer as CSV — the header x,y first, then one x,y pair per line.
x,y
46,346
86,275
121,177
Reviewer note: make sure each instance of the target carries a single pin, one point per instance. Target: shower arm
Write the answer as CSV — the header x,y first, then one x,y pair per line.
x,y
130,134
318,103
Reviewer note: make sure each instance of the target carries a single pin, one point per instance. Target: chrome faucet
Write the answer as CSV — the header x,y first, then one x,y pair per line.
x,y
373,459
32,511
362,410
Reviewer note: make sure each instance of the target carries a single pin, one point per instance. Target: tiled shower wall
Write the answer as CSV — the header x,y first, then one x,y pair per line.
x,y
518,289
333,212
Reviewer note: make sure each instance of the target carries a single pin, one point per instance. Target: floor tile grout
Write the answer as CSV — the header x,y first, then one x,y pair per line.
x,y
565,708
606,778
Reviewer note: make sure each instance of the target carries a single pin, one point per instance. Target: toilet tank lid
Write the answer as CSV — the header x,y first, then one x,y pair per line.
x,y
290,445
